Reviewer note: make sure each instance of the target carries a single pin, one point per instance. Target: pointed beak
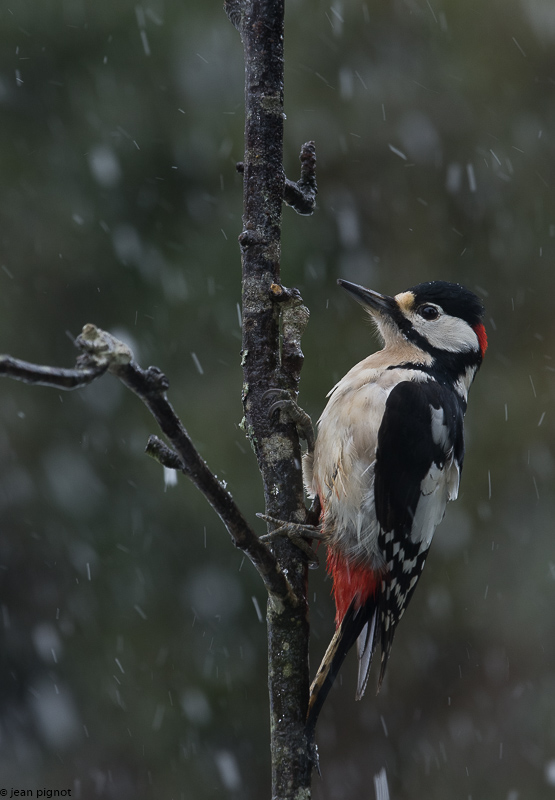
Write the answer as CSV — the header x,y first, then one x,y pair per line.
x,y
372,301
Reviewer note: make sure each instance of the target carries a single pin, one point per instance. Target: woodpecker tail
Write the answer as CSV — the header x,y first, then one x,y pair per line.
x,y
356,626
366,644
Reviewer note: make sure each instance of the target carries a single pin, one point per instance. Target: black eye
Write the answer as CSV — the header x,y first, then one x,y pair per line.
x,y
428,312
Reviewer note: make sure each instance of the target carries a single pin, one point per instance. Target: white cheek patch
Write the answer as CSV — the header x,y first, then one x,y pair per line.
x,y
446,333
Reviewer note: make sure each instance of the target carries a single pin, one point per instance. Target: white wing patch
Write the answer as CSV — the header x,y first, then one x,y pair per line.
x,y
439,485
440,432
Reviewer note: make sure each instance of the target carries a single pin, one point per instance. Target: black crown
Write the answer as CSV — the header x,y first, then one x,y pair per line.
x,y
454,299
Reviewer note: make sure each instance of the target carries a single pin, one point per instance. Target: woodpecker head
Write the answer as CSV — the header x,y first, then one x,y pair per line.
x,y
443,320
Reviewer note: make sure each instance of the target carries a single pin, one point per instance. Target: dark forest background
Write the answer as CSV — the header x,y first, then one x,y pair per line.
x,y
133,652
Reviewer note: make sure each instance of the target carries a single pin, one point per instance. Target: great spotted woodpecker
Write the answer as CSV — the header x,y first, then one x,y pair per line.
x,y
388,457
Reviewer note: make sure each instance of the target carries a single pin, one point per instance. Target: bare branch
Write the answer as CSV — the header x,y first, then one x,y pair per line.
x,y
301,194
57,377
150,386
102,353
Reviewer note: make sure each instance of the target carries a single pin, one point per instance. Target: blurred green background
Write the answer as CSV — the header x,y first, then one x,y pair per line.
x,y
133,655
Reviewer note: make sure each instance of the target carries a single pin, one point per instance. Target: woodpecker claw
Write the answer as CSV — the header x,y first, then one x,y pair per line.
x,y
295,413
282,405
297,533
313,754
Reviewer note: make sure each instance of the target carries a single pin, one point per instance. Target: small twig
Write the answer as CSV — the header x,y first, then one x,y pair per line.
x,y
57,377
301,194
164,455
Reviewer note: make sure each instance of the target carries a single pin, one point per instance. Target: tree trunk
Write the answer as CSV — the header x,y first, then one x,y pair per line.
x,y
268,362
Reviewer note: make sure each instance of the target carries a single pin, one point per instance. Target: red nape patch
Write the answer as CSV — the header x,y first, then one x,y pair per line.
x,y
350,581
480,332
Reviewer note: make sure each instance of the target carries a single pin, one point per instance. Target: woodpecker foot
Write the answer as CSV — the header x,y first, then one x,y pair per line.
x,y
285,403
297,533
313,754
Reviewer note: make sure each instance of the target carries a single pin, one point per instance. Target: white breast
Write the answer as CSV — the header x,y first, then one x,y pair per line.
x,y
342,472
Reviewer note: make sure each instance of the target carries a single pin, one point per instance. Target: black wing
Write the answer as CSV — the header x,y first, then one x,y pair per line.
x,y
408,446
419,457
